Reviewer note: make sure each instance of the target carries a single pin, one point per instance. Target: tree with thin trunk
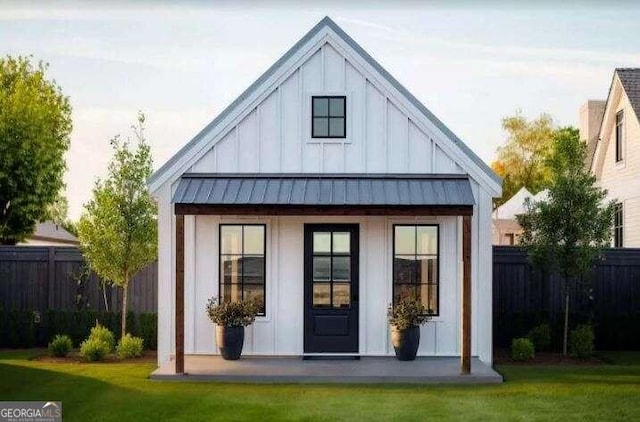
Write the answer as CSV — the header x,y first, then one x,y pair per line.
x,y
118,227
566,232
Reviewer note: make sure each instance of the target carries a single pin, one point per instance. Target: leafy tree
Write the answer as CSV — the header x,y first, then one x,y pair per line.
x,y
58,212
35,123
521,161
568,230
118,229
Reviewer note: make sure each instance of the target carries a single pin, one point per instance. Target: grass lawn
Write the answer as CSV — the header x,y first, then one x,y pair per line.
x,y
122,392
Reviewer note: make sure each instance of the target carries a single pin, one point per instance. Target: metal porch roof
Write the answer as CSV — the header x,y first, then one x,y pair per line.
x,y
324,189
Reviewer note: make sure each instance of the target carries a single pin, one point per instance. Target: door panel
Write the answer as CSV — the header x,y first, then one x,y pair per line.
x,y
331,288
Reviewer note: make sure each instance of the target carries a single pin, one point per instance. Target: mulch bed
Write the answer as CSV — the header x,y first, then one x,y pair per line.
x,y
503,356
74,357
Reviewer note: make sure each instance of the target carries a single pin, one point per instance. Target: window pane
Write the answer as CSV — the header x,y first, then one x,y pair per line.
x,y
404,291
404,270
336,127
427,240
320,107
321,294
336,107
253,240
428,294
253,267
321,242
255,293
231,269
231,239
427,269
320,126
231,292
341,242
341,295
341,268
405,243
321,268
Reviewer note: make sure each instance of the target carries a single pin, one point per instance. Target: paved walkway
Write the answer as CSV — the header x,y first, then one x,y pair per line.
x,y
254,369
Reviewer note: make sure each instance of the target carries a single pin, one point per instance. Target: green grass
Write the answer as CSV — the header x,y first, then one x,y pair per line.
x,y
122,392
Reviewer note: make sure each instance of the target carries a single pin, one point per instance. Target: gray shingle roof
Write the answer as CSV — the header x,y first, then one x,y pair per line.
x,y
320,189
630,78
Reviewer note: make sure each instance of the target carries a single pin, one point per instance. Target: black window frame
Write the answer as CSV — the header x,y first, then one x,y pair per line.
x,y
264,265
618,226
619,133
328,116
416,254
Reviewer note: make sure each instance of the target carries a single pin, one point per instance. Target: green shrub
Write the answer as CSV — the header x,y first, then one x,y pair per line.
x,y
93,349
103,334
129,347
408,312
540,335
60,346
581,341
522,349
148,330
232,314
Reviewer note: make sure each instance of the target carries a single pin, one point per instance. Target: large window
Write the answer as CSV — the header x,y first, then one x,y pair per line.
x,y
619,135
415,264
329,117
618,226
242,263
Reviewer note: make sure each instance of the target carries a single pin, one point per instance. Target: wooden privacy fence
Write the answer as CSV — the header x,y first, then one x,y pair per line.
x,y
40,278
524,296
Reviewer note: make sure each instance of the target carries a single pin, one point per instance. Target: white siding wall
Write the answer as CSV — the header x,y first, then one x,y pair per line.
x,y
622,179
274,136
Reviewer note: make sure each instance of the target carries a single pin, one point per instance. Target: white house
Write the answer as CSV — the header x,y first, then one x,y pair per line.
x,y
506,229
326,191
612,128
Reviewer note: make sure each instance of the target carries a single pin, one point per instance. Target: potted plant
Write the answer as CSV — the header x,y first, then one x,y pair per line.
x,y
405,319
230,319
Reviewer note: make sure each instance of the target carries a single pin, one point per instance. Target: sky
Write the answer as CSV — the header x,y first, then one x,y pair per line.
x,y
470,63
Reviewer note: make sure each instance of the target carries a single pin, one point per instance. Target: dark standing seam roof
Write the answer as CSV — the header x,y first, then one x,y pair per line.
x,y
330,189
326,21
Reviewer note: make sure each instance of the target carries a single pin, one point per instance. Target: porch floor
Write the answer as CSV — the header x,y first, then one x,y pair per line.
x,y
259,369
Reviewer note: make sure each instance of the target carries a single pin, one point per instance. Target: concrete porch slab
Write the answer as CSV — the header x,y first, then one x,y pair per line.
x,y
254,369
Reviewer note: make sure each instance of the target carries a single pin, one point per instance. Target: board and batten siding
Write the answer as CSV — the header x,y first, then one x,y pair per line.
x,y
621,179
274,136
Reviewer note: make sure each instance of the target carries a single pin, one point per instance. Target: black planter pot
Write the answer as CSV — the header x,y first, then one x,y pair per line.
x,y
230,340
405,342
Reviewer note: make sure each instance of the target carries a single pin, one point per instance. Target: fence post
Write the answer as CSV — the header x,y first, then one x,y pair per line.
x,y
51,278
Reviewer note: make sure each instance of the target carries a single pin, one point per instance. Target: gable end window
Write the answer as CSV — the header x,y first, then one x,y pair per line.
x,y
618,226
329,117
619,135
242,263
416,264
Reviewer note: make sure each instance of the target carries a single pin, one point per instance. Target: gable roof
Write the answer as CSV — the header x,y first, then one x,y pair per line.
x,y
630,79
154,180
630,82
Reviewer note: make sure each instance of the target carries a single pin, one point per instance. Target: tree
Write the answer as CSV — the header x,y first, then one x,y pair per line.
x,y
118,227
520,162
35,124
568,230
58,212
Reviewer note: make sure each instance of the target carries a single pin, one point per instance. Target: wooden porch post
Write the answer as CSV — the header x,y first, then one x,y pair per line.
x,y
179,317
465,357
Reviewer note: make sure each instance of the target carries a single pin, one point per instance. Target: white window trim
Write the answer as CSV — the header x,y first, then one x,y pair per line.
x,y
306,120
623,143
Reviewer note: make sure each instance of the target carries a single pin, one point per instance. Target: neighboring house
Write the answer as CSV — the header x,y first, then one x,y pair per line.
x,y
615,159
326,191
506,230
49,233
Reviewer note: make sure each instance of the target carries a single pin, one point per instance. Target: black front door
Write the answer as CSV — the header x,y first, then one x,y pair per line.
x,y
331,288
